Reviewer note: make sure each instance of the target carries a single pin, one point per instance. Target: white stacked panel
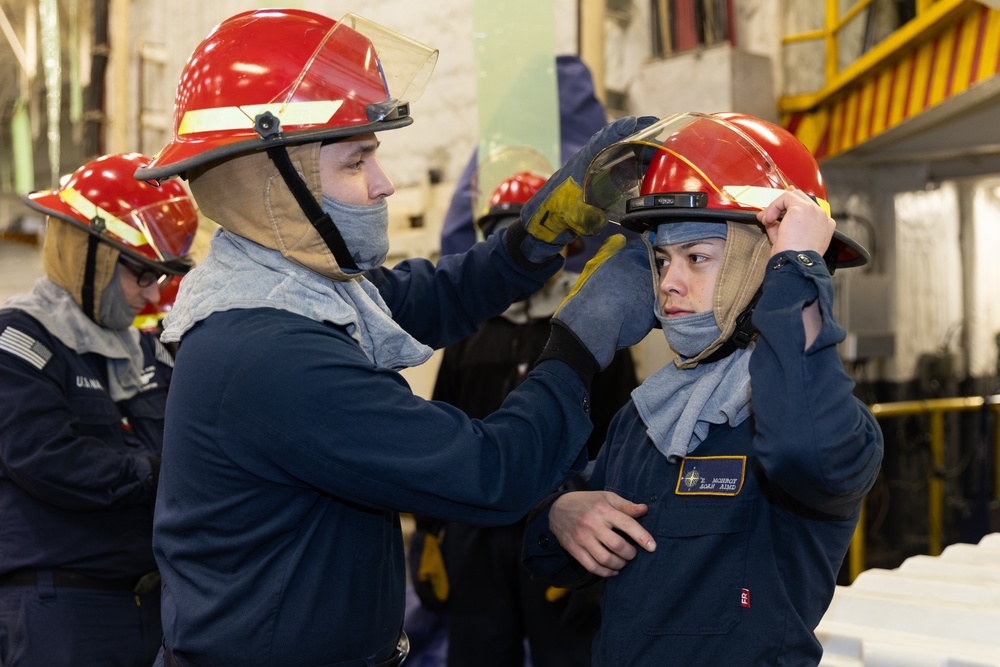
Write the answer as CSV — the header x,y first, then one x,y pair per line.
x,y
930,612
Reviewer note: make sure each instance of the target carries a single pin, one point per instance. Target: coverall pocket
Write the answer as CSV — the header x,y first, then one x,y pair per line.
x,y
702,545
146,415
97,417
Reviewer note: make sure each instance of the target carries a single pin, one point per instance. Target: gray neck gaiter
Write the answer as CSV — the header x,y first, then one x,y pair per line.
x,y
115,312
365,230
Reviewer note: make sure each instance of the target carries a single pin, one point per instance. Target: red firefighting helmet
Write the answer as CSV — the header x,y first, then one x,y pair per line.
x,y
508,198
281,76
150,317
152,225
503,181
719,167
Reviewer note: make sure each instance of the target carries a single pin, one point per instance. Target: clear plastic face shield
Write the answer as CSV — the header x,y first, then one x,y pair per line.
x,y
167,226
702,161
396,68
162,231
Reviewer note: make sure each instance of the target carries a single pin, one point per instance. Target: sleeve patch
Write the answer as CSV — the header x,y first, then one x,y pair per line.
x,y
24,347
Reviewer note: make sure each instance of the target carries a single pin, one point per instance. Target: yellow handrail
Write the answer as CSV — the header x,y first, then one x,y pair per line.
x,y
930,16
935,408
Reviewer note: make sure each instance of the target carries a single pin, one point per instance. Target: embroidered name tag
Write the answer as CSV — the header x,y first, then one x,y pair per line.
x,y
711,475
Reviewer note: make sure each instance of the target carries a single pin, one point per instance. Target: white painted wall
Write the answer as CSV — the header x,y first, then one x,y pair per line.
x,y
983,319
929,274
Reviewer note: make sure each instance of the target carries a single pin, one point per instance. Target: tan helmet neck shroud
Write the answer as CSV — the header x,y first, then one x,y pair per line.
x,y
64,259
741,273
247,195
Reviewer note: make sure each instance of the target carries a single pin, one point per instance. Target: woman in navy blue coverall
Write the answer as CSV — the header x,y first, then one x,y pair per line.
x,y
727,491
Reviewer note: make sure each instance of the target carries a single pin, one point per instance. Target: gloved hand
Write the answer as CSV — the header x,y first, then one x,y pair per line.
x,y
611,306
556,215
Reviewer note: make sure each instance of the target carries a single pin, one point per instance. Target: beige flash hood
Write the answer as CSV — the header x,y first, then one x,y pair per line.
x,y
64,258
246,195
741,273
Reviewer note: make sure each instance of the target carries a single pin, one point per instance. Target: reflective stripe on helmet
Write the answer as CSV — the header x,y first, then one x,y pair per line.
x,y
119,228
148,321
236,118
754,196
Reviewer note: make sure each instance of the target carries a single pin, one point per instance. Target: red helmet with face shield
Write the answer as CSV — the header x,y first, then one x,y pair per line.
x,y
692,166
278,76
152,225
516,190
508,198
152,315
503,181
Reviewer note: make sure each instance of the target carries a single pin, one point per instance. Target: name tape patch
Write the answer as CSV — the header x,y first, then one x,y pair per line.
x,y
711,475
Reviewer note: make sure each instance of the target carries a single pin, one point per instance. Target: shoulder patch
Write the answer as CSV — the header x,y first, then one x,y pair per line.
x,y
24,347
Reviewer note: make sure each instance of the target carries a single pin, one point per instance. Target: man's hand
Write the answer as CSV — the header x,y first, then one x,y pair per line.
x,y
795,222
586,525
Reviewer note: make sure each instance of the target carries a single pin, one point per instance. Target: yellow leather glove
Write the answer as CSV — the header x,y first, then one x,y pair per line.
x,y
426,564
431,569
556,215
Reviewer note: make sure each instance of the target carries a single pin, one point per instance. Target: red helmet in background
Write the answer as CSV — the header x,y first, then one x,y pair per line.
x,y
150,317
503,181
279,76
152,225
507,200
698,167
517,189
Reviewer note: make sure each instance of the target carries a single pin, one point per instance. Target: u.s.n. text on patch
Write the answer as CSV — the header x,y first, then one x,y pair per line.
x,y
711,475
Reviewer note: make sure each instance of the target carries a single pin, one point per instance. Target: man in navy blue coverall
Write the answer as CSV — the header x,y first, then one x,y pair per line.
x,y
82,397
291,440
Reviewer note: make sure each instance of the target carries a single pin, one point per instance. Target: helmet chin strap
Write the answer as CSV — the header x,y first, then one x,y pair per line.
x,y
89,273
744,334
320,220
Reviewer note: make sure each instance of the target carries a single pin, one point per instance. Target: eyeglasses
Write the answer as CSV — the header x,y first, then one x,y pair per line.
x,y
144,276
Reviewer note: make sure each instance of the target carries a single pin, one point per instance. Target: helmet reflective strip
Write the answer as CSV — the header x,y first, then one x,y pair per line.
x,y
754,196
242,118
121,229
147,322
